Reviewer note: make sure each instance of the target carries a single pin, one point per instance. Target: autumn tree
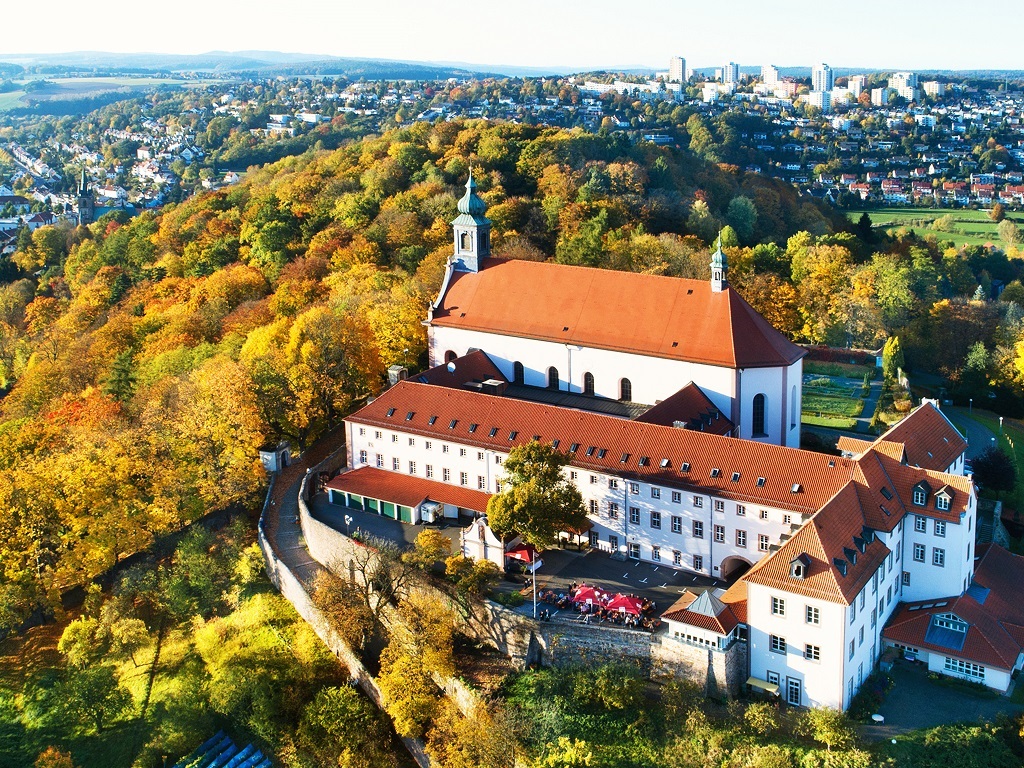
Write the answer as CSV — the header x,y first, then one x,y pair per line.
x,y
538,500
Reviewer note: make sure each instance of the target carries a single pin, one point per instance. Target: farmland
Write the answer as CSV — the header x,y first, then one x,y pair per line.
x,y
971,227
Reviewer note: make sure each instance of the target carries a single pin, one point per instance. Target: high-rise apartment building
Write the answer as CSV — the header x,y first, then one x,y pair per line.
x,y
677,69
822,78
731,73
769,74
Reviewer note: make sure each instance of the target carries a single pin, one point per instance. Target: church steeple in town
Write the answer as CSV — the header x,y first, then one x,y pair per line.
x,y
472,230
719,265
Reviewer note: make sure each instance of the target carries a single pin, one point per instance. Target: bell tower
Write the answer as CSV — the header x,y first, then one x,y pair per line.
x,y
719,265
472,230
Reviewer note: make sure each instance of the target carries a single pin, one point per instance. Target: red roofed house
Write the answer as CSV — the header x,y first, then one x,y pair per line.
x,y
615,335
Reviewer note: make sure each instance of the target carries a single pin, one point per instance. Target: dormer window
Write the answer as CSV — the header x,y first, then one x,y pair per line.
x,y
798,567
920,497
942,502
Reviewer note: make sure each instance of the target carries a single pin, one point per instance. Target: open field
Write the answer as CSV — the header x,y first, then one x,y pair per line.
x,y
58,89
11,100
831,405
973,227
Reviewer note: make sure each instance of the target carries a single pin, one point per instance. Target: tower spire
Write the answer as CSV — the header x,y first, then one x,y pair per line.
x,y
719,266
472,229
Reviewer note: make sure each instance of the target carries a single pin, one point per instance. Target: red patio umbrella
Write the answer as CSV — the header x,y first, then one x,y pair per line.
x,y
585,594
625,604
524,552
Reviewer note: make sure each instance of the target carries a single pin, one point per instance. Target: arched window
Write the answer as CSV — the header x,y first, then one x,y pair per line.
x,y
465,241
588,383
518,374
793,415
626,390
757,421
449,356
552,378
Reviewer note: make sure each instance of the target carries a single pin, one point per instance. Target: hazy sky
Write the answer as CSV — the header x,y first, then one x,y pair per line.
x,y
581,34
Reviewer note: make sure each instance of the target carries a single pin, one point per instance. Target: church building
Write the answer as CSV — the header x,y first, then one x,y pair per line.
x,y
615,336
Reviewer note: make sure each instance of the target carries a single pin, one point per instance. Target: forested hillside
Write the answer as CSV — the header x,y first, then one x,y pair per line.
x,y
144,361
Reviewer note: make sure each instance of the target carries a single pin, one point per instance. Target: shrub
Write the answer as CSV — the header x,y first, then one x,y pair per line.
x,y
510,599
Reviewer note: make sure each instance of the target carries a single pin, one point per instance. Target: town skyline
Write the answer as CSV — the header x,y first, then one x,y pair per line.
x,y
571,36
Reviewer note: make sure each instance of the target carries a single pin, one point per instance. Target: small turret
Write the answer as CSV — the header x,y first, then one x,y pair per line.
x,y
719,265
472,230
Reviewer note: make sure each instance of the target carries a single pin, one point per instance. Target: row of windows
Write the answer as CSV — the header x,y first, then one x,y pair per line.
x,y
921,525
519,377
446,473
429,445
961,667
778,645
633,550
938,556
812,615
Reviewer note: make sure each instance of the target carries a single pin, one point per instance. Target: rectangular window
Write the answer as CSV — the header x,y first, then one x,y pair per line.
x,y
380,460
853,612
593,479
634,488
942,503
362,431
446,474
698,563
813,615
720,534
778,606
677,497
481,483
698,529
445,448
497,460
656,520
940,528
860,637
593,506
874,617
412,467
920,524
698,501
656,554
428,445
463,478
719,505
677,524
787,519
573,474
741,539
412,441
613,484
853,648
812,652
961,667
394,438
430,470
655,493
741,510
377,434
613,510
862,598
479,455
906,578
462,452
395,464
764,514
778,644
919,550
362,457
939,557
677,557
762,542
772,677
634,515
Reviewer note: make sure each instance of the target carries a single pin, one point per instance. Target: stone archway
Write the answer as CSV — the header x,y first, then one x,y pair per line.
x,y
733,567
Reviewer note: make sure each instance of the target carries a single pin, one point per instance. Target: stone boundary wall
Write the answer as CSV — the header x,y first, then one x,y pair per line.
x,y
558,642
293,591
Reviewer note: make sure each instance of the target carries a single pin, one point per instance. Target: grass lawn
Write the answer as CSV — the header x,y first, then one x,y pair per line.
x,y
815,404
835,422
11,100
1011,441
973,227
842,370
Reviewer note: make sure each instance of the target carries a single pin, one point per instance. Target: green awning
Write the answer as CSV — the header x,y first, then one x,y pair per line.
x,y
764,685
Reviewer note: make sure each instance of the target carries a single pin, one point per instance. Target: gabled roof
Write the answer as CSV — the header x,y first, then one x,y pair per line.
x,y
649,315
824,539
691,407
645,447
473,367
995,636
703,609
929,439
407,490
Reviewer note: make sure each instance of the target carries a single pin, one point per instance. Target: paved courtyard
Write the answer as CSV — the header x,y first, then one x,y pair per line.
x,y
903,709
661,584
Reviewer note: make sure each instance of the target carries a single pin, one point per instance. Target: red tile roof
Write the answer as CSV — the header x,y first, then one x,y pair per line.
x,y
994,637
723,622
928,437
650,315
852,445
407,490
816,476
473,367
691,407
